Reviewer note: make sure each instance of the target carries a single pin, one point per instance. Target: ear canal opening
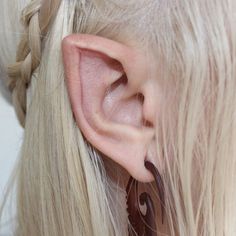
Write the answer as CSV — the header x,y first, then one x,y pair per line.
x,y
140,97
147,123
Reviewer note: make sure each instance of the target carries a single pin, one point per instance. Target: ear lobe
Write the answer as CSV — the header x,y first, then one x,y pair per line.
x,y
108,110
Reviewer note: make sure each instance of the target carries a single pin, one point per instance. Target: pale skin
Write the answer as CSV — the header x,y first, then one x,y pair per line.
x,y
105,80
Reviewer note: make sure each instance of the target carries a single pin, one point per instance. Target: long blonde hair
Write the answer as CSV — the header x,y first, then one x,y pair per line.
x,y
62,185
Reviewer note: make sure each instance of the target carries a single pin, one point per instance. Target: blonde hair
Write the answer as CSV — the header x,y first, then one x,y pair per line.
x,y
62,185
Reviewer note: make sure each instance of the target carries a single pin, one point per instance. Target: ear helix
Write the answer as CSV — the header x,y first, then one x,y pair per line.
x,y
144,224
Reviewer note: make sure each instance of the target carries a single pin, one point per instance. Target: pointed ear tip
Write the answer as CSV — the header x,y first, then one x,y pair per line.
x,y
67,41
76,40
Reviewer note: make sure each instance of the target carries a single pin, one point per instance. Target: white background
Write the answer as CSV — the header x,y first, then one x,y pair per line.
x,y
11,135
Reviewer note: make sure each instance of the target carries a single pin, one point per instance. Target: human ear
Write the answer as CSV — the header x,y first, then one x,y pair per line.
x,y
106,86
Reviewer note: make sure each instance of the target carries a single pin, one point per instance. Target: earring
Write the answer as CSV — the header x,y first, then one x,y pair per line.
x,y
144,225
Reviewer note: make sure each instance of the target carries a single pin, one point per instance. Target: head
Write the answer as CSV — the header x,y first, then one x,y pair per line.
x,y
100,87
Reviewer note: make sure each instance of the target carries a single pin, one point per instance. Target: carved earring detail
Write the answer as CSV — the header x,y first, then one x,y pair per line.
x,y
144,225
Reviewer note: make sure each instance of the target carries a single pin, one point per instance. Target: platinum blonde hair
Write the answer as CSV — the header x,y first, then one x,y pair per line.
x,y
62,186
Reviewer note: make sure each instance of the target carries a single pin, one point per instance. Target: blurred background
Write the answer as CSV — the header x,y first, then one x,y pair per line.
x,y
11,135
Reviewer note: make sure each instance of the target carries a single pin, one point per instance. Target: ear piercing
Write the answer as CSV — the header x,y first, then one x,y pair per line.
x,y
144,225
159,184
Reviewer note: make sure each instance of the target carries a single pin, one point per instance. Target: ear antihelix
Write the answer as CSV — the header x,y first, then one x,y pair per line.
x,y
121,80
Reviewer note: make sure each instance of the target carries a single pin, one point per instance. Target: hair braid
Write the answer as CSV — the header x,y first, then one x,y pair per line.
x,y
36,18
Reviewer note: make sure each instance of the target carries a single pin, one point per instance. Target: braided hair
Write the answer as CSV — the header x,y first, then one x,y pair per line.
x,y
36,18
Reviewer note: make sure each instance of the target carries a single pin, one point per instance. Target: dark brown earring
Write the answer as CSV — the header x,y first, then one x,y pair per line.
x,y
144,225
